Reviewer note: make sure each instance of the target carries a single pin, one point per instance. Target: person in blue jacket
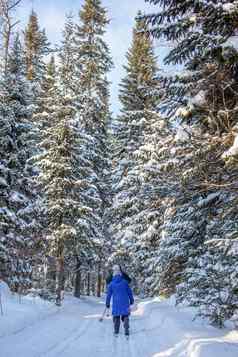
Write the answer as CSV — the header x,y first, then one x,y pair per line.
x,y
123,273
122,298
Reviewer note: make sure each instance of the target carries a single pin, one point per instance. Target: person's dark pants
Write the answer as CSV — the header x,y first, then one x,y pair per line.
x,y
117,322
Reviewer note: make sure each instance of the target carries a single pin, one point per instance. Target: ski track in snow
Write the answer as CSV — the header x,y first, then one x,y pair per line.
x,y
157,330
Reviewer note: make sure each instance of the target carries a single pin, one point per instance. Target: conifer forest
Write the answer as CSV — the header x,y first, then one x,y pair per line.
x,y
152,187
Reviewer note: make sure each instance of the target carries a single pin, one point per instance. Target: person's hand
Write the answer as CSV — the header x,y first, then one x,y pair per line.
x,y
108,312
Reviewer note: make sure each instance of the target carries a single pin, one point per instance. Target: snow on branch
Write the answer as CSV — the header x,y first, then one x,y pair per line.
x,y
233,151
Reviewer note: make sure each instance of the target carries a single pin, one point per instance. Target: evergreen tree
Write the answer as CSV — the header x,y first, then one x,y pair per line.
x,y
207,50
204,281
45,100
139,89
58,165
198,220
68,73
76,56
206,90
93,62
210,277
18,194
36,48
139,95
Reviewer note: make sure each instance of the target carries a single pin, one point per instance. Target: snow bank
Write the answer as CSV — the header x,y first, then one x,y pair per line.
x,y
4,290
201,348
178,335
21,311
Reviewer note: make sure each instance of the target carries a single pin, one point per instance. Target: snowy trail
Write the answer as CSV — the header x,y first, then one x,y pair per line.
x,y
157,330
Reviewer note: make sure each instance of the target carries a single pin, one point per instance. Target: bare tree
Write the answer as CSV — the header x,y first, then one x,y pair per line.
x,y
7,24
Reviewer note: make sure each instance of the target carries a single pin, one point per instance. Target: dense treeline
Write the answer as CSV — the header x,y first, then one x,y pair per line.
x,y
54,132
175,183
154,189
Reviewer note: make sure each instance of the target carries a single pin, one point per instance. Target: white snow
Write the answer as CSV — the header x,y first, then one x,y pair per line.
x,y
232,41
158,329
199,99
20,312
17,197
3,182
229,7
205,201
233,151
181,135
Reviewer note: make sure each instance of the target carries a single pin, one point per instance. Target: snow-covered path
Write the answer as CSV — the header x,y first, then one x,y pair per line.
x,y
157,330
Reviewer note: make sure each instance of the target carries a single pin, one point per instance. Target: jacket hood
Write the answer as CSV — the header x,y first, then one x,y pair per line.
x,y
117,278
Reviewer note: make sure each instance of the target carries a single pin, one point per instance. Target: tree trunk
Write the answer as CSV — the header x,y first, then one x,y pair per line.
x,y
99,281
88,284
59,280
6,37
77,286
93,284
103,283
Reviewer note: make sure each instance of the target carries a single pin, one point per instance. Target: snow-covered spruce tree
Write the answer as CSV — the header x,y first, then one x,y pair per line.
x,y
39,76
36,48
210,278
93,64
44,117
208,90
187,169
69,75
153,169
207,48
139,96
200,218
18,194
59,165
69,69
45,100
172,161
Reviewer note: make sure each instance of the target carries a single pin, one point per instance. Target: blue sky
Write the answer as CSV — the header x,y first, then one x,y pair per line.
x,y
121,12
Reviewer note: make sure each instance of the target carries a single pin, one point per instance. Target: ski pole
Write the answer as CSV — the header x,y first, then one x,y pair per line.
x,y
103,315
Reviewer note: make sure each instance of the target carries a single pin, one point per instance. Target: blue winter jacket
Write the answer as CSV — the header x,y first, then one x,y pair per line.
x,y
121,295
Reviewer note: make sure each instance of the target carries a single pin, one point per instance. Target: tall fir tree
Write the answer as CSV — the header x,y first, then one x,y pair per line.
x,y
18,194
139,95
36,47
93,62
45,100
58,164
69,72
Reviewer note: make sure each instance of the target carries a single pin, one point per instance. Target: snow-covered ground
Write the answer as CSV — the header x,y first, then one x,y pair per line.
x,y
34,328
